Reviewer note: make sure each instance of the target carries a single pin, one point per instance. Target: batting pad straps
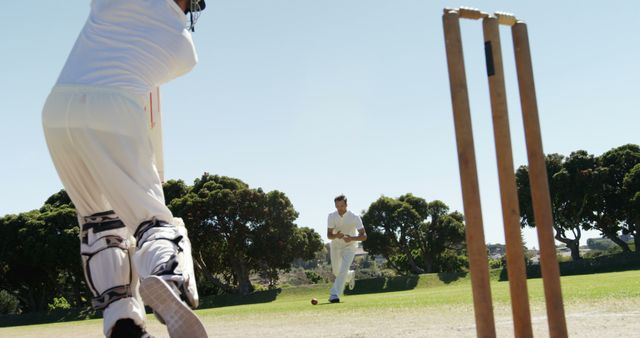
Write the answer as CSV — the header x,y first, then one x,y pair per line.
x,y
100,222
110,296
105,256
142,233
164,249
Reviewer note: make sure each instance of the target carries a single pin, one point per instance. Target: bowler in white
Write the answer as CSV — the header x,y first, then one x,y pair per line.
x,y
344,229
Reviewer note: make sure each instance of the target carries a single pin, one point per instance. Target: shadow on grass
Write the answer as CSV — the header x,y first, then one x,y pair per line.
x,y
450,277
402,283
231,299
56,316
81,314
390,284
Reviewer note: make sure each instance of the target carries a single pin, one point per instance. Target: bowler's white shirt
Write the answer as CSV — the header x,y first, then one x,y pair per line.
x,y
348,224
131,44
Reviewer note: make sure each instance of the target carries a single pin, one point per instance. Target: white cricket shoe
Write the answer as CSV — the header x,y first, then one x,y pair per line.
x,y
180,320
352,279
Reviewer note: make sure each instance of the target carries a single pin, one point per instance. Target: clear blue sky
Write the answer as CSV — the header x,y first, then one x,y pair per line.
x,y
318,98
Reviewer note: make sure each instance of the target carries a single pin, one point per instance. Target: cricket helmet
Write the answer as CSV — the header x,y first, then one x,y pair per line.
x,y
194,9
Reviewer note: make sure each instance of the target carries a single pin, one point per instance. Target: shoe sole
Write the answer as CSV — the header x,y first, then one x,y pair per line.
x,y
180,320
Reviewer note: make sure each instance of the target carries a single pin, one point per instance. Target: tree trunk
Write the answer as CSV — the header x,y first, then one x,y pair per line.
x,y
427,256
77,293
428,263
397,268
614,237
43,306
30,302
572,244
412,263
242,277
202,266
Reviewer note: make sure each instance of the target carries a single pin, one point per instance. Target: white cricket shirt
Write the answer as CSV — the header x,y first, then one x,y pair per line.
x,y
131,44
348,224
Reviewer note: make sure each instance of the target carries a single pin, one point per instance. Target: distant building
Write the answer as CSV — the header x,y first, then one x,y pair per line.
x,y
496,251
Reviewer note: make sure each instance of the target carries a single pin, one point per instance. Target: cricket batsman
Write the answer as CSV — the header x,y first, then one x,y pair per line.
x,y
134,252
344,229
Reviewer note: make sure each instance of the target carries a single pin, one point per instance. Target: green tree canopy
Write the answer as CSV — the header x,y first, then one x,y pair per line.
x,y
237,230
39,255
571,183
589,192
631,188
414,235
611,212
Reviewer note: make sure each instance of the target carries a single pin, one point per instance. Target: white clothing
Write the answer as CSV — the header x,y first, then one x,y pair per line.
x,y
341,259
342,253
99,143
96,127
98,139
131,44
348,224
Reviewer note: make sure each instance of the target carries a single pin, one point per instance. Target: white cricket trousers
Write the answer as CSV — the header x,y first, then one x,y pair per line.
x,y
98,138
342,255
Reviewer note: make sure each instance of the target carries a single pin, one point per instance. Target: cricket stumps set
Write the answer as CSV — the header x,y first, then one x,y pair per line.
x,y
478,262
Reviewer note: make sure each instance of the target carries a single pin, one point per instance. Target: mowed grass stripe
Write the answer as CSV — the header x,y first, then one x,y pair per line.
x,y
576,289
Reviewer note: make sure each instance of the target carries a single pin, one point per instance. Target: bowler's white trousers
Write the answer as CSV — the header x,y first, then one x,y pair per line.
x,y
98,138
342,255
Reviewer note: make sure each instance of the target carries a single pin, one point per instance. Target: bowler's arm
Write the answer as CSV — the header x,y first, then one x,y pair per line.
x,y
331,235
362,236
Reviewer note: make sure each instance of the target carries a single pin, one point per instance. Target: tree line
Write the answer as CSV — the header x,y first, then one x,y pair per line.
x,y
238,232
235,230
590,192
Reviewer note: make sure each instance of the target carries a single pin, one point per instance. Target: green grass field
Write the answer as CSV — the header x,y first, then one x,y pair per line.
x,y
605,302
